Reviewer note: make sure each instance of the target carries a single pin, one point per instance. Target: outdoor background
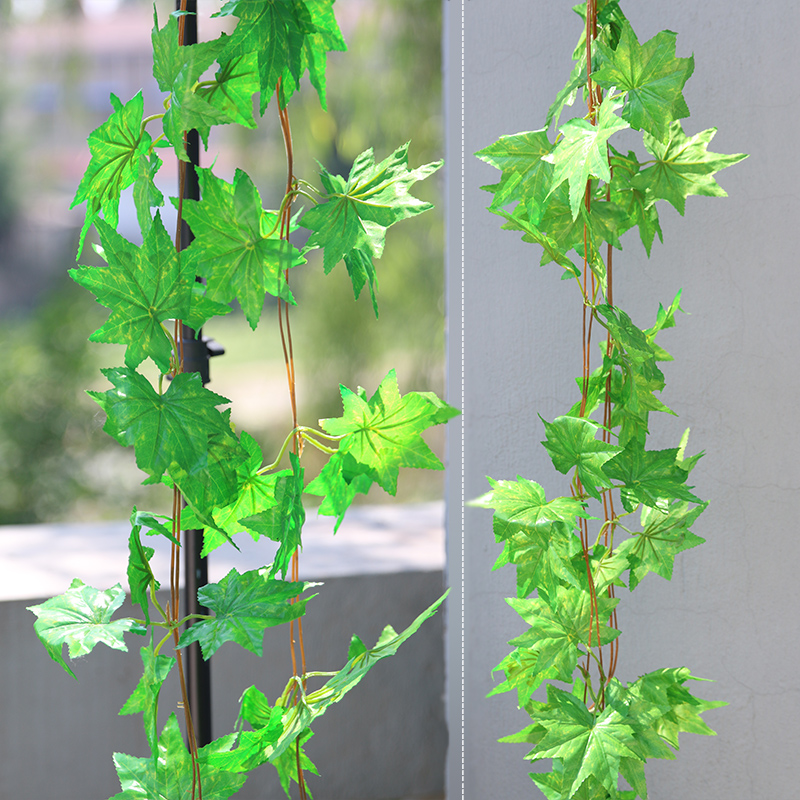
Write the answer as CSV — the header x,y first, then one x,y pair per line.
x,y
59,60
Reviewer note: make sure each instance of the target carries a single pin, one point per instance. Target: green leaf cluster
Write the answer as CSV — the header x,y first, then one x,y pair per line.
x,y
180,432
572,195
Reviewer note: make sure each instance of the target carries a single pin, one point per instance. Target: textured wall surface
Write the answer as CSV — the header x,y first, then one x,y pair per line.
x,y
730,612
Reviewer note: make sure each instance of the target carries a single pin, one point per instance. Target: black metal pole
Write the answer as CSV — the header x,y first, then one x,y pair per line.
x,y
195,353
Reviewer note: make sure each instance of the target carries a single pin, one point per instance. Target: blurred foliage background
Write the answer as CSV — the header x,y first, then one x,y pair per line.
x,y
65,57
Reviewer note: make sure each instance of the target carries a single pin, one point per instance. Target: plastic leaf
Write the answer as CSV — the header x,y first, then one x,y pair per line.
x,y
236,247
81,619
283,522
289,37
143,287
169,776
338,482
523,502
297,717
666,533
383,433
683,167
140,576
352,224
525,176
144,699
244,605
652,77
582,152
587,745
559,630
571,443
648,476
165,429
116,147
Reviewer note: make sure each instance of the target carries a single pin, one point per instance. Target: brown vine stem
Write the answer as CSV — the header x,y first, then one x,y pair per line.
x,y
288,355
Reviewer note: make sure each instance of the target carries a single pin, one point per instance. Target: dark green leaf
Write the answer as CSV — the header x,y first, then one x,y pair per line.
x,y
143,287
140,576
244,605
571,443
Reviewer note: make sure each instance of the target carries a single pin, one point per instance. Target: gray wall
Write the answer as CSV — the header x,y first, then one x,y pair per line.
x,y
730,612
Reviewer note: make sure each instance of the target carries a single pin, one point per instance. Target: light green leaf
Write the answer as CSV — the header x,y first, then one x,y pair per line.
x,y
683,166
582,151
652,77
169,776
382,434
145,696
116,147
81,619
352,223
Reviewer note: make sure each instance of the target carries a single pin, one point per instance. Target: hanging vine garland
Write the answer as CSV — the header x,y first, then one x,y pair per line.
x,y
573,195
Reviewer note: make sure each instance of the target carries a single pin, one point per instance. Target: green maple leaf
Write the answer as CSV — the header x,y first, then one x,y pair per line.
x,y
283,522
254,493
683,166
571,443
666,533
290,37
244,606
146,194
140,576
236,247
338,482
169,776
143,287
383,433
582,152
144,699
586,745
177,68
525,177
639,211
116,147
81,619
165,429
254,747
231,92
648,476
552,250
652,77
298,716
631,340
543,561
352,223
523,502
559,630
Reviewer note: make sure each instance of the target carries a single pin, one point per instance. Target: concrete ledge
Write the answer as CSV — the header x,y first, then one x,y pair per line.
x,y
386,740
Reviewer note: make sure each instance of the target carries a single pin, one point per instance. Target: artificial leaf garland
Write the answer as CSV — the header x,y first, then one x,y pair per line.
x,y
574,195
181,432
